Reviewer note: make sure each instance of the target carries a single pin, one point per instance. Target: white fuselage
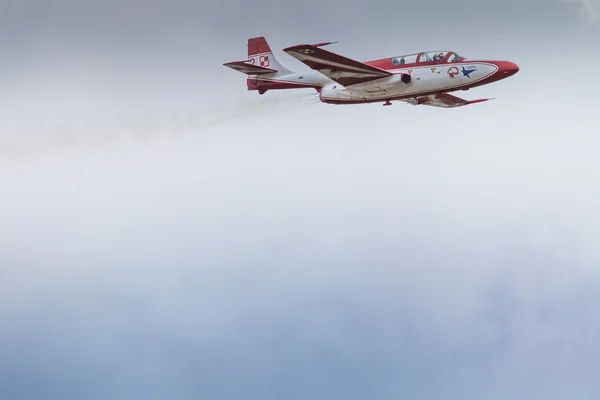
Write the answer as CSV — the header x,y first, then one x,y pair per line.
x,y
425,80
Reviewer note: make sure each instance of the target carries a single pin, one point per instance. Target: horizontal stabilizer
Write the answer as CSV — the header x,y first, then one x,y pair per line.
x,y
247,68
340,69
443,100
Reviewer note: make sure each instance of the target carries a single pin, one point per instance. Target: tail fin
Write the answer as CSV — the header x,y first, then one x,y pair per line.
x,y
260,54
261,63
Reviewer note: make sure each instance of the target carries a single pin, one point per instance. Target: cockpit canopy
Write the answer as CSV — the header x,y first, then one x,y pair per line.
x,y
427,57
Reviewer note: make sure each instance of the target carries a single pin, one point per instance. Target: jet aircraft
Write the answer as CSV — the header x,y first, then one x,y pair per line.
x,y
424,78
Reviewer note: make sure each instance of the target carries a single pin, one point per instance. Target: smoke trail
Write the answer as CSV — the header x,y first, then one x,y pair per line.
x,y
110,131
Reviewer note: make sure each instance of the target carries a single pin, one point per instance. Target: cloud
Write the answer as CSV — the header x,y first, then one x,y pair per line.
x,y
314,253
588,7
220,248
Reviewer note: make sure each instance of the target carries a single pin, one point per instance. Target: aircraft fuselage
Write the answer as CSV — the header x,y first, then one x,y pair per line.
x,y
425,80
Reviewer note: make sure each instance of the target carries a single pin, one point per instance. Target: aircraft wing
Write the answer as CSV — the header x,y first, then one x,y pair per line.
x,y
443,100
337,68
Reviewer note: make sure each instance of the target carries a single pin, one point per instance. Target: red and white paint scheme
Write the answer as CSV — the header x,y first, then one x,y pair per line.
x,y
424,78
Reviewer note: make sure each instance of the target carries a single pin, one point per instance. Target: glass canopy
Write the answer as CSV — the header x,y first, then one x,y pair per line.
x,y
427,57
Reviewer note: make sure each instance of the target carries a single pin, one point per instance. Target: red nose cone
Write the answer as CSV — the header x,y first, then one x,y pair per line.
x,y
506,69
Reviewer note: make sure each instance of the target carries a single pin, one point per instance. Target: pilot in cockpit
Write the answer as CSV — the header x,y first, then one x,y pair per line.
x,y
438,57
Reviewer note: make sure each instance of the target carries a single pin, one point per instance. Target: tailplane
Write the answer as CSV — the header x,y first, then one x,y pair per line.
x,y
248,68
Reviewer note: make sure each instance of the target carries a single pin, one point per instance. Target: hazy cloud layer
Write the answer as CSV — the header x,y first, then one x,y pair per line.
x,y
165,234
375,256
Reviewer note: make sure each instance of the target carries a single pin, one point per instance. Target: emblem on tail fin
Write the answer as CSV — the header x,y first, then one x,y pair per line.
x,y
264,61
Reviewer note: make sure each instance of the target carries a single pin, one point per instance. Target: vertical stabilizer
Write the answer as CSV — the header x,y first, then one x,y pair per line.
x,y
260,54
263,69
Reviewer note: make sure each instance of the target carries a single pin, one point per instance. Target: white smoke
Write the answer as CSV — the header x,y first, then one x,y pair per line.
x,y
93,131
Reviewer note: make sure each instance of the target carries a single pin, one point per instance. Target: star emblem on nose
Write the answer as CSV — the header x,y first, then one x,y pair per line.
x,y
467,72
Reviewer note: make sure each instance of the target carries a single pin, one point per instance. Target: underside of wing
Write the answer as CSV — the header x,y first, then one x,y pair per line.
x,y
443,100
340,69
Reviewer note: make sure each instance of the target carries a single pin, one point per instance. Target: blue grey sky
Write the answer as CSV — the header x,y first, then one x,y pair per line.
x,y
166,234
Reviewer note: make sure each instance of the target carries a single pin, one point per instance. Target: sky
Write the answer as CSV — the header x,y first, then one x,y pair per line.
x,y
166,234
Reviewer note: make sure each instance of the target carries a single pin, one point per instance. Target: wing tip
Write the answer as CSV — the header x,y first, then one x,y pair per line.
x,y
479,100
297,47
